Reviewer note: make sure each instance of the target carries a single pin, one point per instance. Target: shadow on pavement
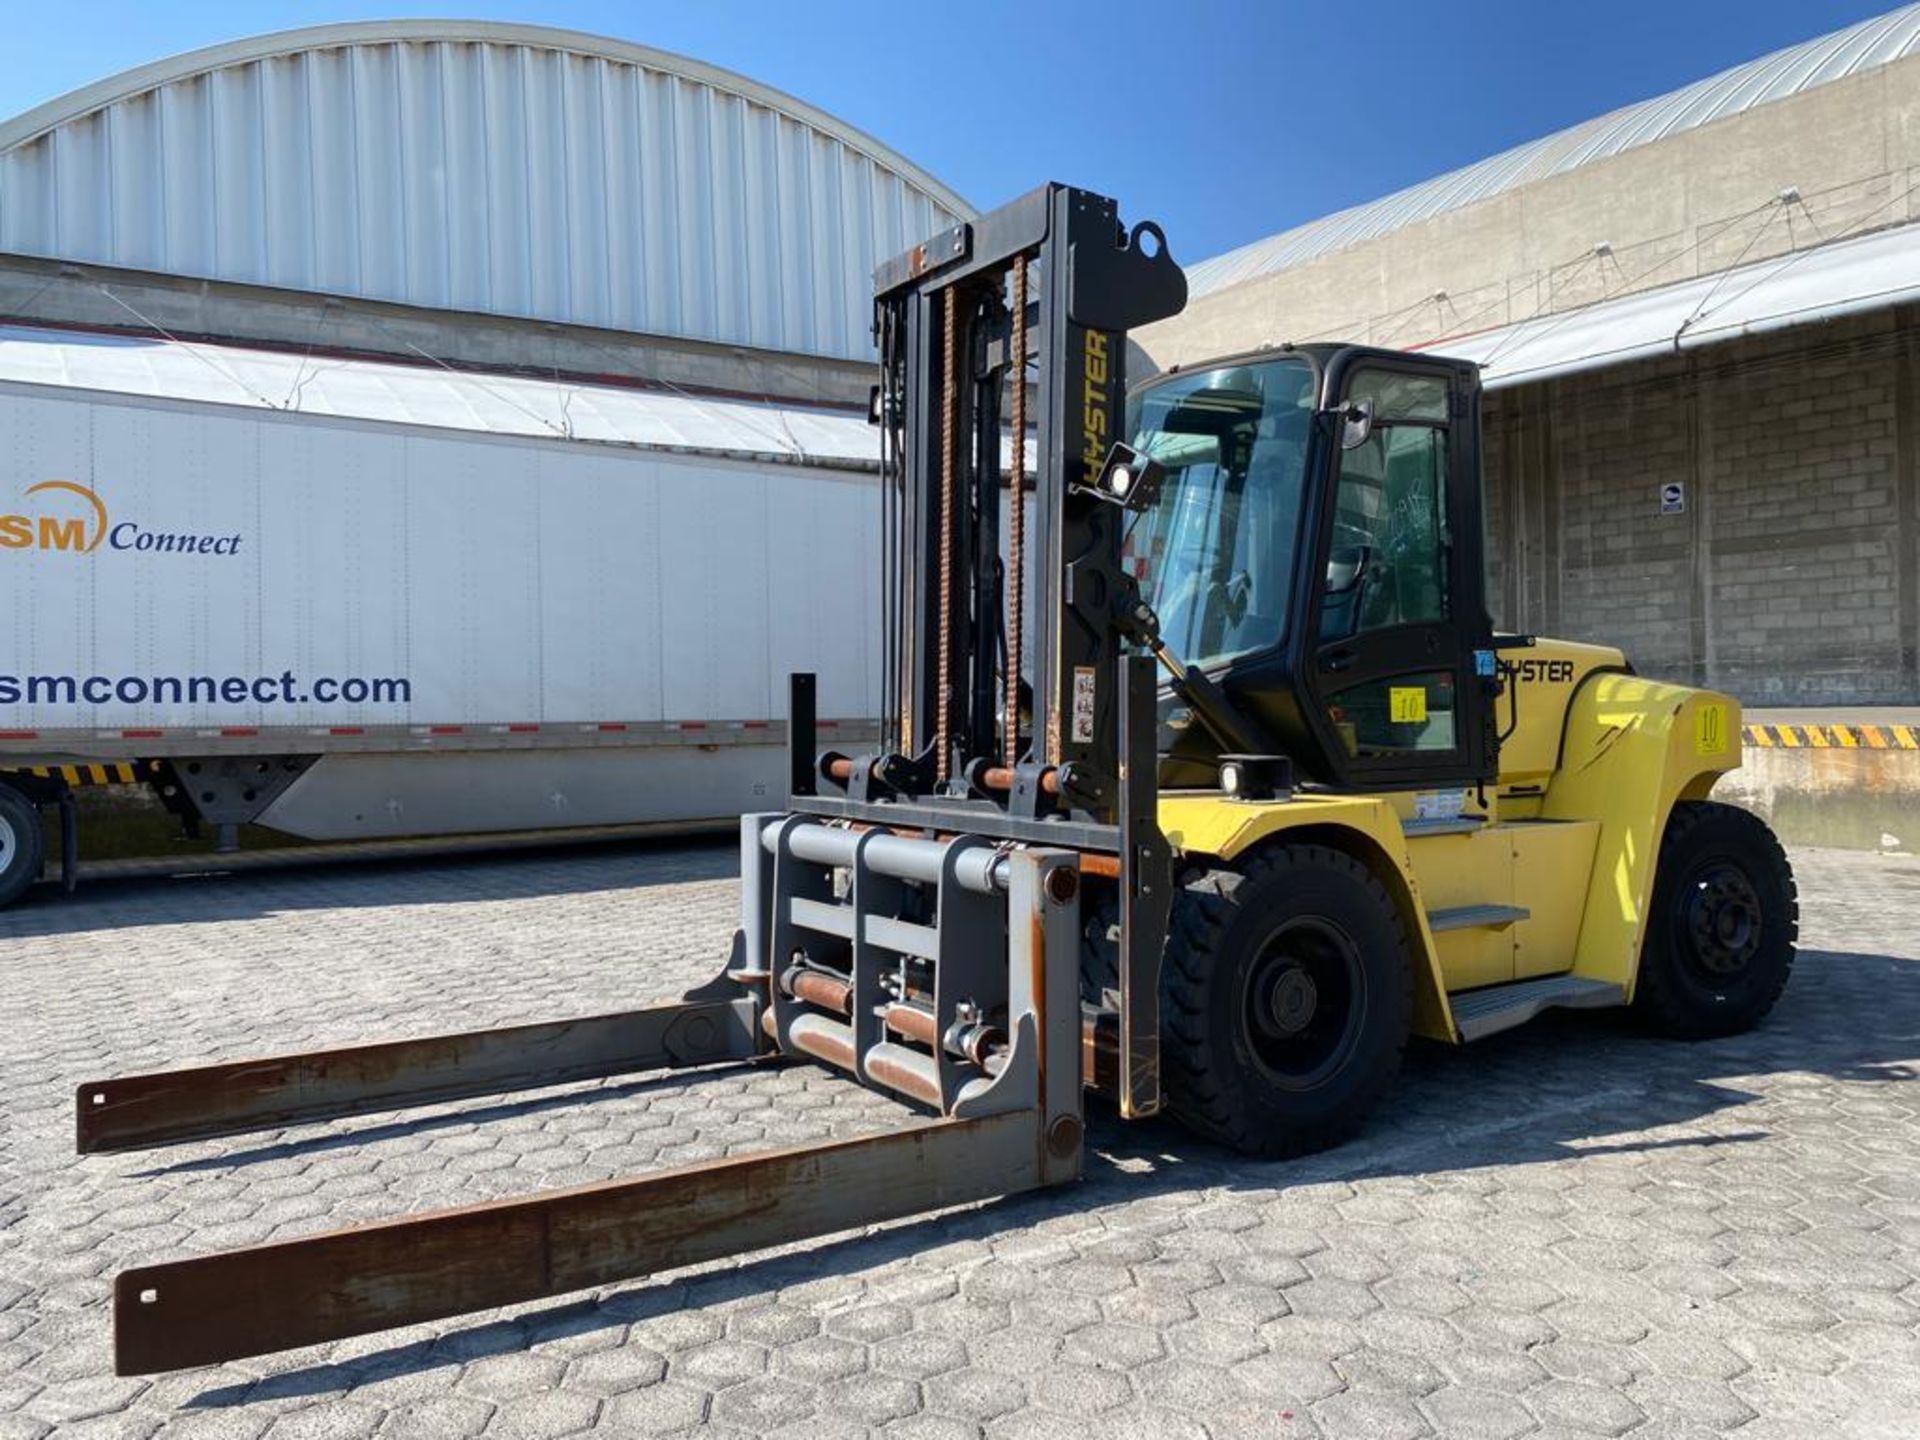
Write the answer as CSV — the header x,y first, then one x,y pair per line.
x,y
1567,1086
215,896
424,1124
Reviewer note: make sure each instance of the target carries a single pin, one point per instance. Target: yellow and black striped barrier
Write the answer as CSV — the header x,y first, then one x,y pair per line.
x,y
1834,737
111,772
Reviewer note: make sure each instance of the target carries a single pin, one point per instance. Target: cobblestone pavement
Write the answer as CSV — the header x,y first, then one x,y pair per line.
x,y
1570,1230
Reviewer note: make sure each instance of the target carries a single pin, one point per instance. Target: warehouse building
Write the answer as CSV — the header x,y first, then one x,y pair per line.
x,y
505,384
466,195
1699,321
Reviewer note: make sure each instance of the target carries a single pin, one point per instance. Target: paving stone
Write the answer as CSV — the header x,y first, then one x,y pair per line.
x,y
931,1427
1682,1397
543,1417
1296,1380
1697,1241
333,1420
1578,1406
657,1410
503,1377
920,1356
1596,1364
612,1372
1356,1416
871,1323
1188,1385
716,1366
445,1417
820,1358
72,1400
765,1402
1389,1370
876,1399
1470,1414
1081,1390
1121,1346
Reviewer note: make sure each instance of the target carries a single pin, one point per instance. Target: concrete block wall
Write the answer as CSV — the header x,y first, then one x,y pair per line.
x,y
1792,577
1622,562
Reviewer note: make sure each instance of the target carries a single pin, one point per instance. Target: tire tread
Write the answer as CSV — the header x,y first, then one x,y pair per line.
x,y
1661,996
31,855
1195,1074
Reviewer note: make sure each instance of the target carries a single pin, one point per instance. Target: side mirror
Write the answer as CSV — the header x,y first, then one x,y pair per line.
x,y
1356,424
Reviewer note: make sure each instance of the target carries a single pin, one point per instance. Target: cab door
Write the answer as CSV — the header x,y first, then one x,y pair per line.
x,y
1400,658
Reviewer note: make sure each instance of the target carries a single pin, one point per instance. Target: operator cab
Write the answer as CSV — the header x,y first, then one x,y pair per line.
x,y
1316,551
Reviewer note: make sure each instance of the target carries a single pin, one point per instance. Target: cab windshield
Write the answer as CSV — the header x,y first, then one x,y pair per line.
x,y
1214,557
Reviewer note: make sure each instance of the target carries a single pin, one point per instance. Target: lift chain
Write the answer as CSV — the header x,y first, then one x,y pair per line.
x,y
949,403
1017,514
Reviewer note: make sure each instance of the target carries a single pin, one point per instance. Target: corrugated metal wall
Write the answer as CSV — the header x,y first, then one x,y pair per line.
x,y
509,178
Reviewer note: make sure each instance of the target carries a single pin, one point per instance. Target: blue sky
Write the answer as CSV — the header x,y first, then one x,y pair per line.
x,y
1225,122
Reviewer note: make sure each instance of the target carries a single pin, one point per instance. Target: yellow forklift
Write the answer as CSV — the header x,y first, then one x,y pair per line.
x,y
1204,783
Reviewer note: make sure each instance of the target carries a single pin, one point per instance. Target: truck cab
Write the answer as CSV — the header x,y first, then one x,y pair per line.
x,y
1316,550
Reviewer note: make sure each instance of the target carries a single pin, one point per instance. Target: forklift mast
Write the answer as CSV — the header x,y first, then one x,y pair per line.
x,y
955,319
1047,740
1047,284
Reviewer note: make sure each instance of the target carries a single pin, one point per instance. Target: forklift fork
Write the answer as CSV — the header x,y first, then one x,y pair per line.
x,y
172,1107
945,971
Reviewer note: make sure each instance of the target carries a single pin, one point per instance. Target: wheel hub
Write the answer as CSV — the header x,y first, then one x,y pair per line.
x,y
1303,1002
1292,1000
8,842
1723,920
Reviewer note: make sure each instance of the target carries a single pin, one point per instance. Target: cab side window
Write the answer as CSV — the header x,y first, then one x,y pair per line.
x,y
1388,562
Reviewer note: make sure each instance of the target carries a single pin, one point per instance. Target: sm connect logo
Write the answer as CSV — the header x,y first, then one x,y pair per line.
x,y
60,515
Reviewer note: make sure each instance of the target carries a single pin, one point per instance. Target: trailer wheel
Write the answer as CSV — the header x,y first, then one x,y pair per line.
x,y
1722,927
23,844
1287,997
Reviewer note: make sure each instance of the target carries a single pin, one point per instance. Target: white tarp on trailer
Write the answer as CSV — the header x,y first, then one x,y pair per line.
x,y
1844,278
433,395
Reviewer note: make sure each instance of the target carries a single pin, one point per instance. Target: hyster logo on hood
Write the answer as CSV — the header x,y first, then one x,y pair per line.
x,y
73,518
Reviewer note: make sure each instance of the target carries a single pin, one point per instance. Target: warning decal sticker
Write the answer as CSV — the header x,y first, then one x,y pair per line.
x,y
1407,704
1710,729
1083,704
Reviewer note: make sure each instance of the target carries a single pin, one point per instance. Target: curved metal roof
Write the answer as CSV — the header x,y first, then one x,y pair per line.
x,y
470,165
1870,43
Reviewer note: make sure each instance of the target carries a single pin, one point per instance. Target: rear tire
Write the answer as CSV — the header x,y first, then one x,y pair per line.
x,y
1722,926
23,844
1286,1001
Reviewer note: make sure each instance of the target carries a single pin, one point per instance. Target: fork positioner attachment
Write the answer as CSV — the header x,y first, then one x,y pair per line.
x,y
1013,1122
914,918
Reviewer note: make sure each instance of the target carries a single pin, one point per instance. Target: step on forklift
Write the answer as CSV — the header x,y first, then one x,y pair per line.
x,y
1204,783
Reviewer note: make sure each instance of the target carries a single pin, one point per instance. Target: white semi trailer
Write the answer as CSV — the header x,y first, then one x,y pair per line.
x,y
356,599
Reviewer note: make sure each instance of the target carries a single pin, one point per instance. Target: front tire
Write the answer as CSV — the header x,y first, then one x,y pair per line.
x,y
1286,1001
23,848
1722,926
